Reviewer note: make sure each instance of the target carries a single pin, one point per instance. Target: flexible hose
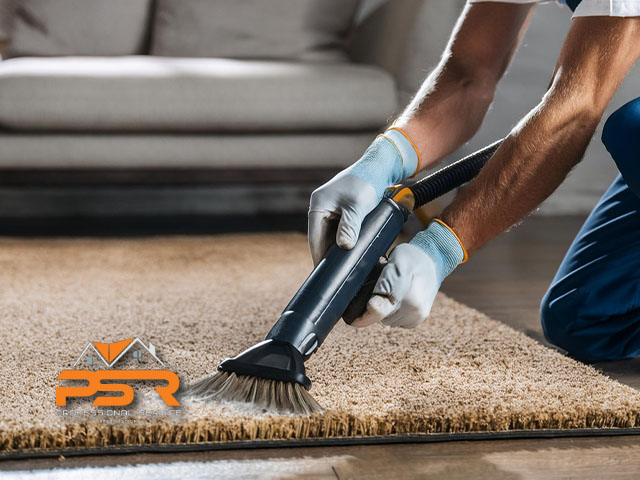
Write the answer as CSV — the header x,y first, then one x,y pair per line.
x,y
452,176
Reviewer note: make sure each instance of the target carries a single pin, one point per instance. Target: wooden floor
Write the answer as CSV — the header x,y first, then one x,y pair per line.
x,y
506,280
584,459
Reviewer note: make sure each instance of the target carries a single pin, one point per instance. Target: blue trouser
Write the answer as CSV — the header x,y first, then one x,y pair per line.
x,y
592,308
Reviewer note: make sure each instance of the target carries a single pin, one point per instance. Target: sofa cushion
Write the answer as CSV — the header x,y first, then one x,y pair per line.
x,y
274,29
79,27
187,150
178,94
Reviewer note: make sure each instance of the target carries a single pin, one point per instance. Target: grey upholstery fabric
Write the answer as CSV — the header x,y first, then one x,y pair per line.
x,y
274,29
79,27
176,94
188,150
404,37
6,15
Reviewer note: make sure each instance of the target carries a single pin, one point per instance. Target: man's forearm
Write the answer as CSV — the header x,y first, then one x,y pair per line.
x,y
447,112
452,102
531,163
542,149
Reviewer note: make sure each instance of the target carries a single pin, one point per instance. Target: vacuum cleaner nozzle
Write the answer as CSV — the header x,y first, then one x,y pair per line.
x,y
270,359
269,375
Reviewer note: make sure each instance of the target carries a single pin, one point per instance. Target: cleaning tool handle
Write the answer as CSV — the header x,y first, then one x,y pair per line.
x,y
324,296
359,303
424,191
452,176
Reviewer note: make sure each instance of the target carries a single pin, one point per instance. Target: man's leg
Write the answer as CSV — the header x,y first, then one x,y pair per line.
x,y
592,308
621,136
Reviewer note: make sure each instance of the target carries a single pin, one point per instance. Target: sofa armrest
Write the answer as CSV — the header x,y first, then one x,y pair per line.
x,y
405,38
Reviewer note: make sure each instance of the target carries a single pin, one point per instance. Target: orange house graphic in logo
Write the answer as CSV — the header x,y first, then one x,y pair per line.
x,y
110,354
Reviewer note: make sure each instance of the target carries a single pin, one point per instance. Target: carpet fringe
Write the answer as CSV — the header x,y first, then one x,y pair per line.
x,y
327,425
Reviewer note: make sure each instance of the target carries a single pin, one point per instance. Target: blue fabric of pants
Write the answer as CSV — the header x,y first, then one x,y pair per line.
x,y
592,308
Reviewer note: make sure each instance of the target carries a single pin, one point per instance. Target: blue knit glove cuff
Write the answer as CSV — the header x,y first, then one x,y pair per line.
x,y
389,159
442,246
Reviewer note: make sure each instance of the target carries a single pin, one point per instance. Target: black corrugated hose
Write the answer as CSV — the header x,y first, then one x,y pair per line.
x,y
452,176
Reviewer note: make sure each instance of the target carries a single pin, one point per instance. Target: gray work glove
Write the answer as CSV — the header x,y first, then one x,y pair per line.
x,y
408,284
338,207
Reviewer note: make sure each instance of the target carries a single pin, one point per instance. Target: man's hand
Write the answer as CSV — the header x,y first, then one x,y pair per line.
x,y
405,290
338,207
410,281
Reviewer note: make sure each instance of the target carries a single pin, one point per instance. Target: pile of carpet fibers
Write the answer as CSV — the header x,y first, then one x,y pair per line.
x,y
201,299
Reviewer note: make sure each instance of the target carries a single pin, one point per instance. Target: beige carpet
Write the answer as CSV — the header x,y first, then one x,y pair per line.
x,y
199,300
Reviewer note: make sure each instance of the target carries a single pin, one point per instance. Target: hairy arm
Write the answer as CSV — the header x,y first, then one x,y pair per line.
x,y
452,102
541,150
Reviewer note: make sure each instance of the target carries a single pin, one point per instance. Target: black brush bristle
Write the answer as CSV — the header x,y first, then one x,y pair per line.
x,y
266,394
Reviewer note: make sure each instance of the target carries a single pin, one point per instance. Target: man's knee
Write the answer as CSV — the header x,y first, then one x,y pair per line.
x,y
556,323
621,136
562,313
574,324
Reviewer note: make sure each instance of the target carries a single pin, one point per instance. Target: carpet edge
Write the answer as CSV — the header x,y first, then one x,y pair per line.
x,y
318,442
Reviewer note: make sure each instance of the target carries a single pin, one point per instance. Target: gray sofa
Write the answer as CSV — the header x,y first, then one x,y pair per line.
x,y
196,100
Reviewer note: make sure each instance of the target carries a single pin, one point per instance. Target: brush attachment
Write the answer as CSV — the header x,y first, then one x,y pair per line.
x,y
268,395
272,359
270,375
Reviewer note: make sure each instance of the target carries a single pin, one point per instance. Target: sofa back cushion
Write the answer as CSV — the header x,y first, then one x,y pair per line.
x,y
6,13
312,30
79,27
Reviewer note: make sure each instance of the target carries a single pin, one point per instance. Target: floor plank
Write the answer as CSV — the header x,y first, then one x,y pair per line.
x,y
584,458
